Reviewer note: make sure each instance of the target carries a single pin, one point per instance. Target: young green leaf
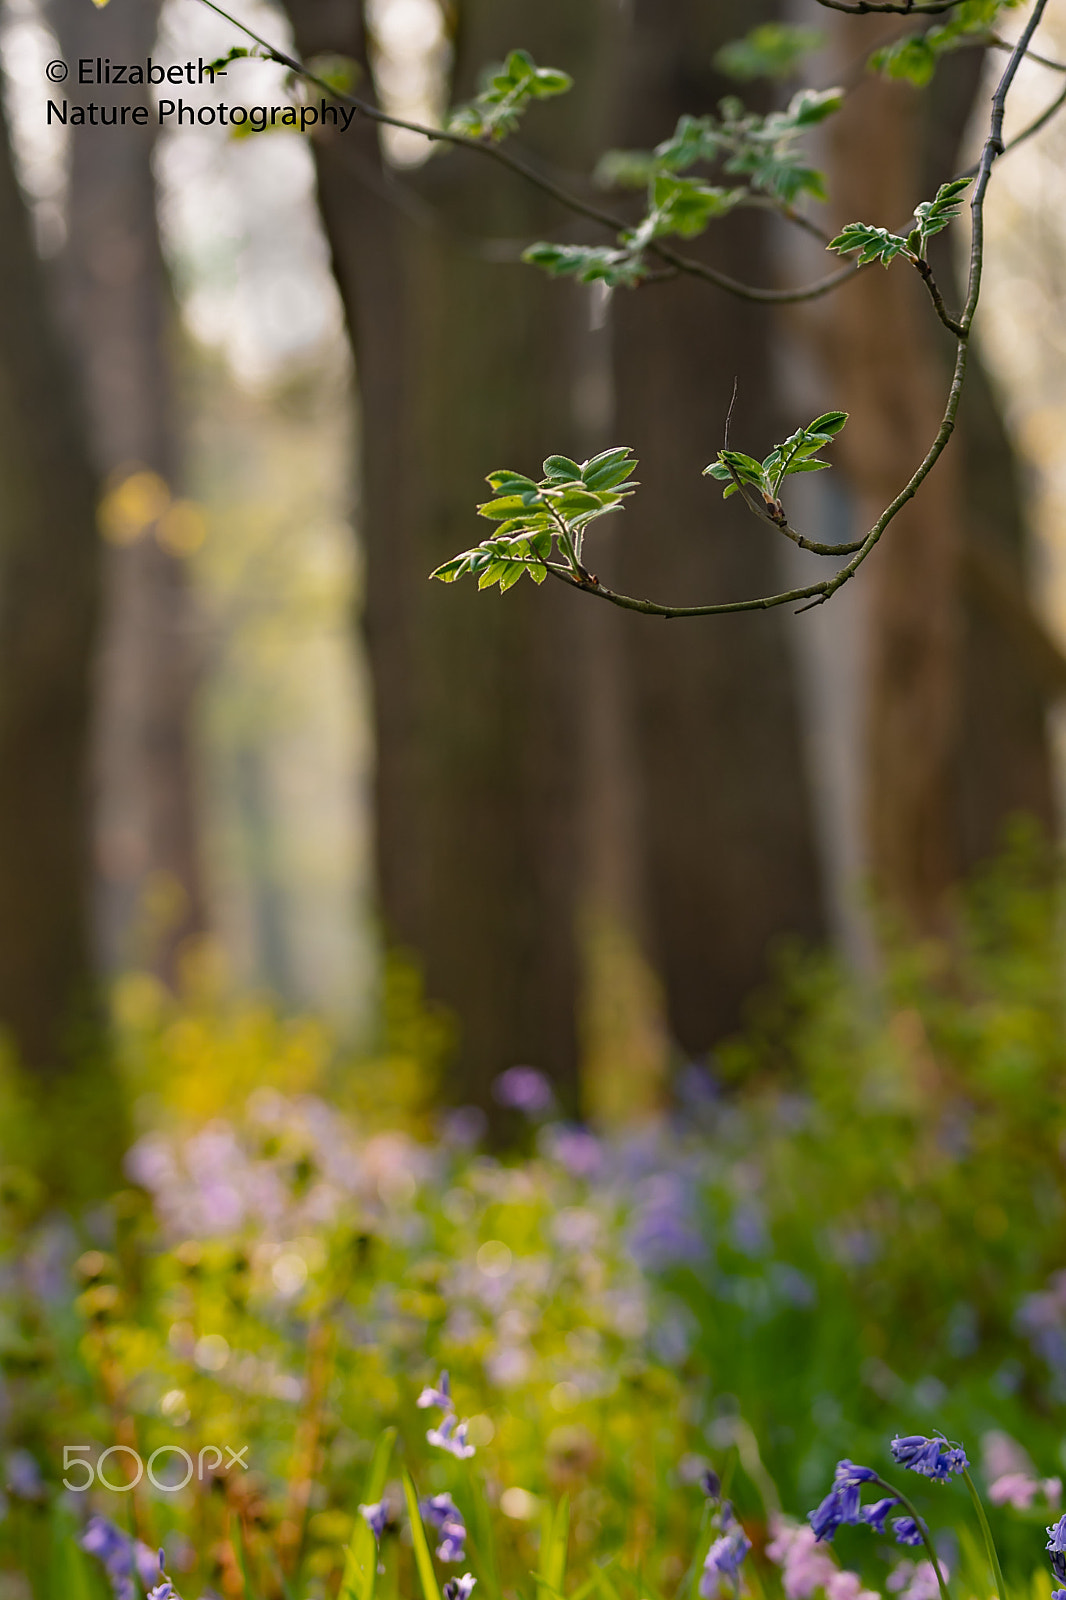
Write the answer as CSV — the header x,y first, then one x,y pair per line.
x,y
617,268
873,244
507,91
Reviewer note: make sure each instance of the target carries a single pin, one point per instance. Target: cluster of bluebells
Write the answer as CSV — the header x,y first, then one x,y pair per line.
x,y
451,1434
122,1557
933,1458
721,1565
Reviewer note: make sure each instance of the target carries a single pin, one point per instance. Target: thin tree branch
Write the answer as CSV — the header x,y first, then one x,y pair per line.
x,y
899,8
925,271
537,180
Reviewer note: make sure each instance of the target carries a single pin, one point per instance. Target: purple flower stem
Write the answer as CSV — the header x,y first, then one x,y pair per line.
x,y
919,1523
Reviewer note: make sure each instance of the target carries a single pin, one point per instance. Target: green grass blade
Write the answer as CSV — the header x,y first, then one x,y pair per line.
x,y
69,1574
241,1552
553,1559
483,1538
361,1561
423,1559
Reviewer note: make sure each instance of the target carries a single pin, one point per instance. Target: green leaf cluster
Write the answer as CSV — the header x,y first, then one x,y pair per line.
x,y
798,453
878,244
538,518
764,151
914,57
506,92
772,50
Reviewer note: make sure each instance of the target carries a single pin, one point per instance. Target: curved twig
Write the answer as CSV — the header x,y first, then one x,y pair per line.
x,y
899,8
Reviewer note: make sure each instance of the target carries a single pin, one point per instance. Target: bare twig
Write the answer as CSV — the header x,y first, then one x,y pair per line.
x,y
899,8
926,273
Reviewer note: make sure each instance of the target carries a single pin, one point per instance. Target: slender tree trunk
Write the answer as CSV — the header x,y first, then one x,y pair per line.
x,y
885,356
956,741
465,364
1003,755
48,606
724,805
119,313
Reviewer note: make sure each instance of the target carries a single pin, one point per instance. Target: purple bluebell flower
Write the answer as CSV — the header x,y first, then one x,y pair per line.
x,y
440,1396
162,1591
841,1505
459,1588
723,1560
711,1484
451,1436
1056,1548
1058,1594
439,1509
110,1545
441,1512
1058,1565
933,1458
874,1515
376,1517
524,1089
452,1542
906,1531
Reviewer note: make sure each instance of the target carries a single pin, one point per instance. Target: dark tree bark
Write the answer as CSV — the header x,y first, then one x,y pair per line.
x,y
956,741
465,363
724,806
48,609
119,314
1003,757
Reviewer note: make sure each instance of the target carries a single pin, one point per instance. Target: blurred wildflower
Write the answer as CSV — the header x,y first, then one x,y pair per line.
x,y
23,1476
440,1396
805,1567
1019,1490
906,1531
376,1517
524,1089
915,1580
722,1562
441,1512
114,1549
451,1436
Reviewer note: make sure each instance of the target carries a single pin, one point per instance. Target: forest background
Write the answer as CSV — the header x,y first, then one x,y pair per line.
x,y
658,1025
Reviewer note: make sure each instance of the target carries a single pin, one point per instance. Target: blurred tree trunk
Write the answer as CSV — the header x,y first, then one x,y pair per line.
x,y
1003,758
956,740
724,806
886,358
150,895
465,362
48,607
